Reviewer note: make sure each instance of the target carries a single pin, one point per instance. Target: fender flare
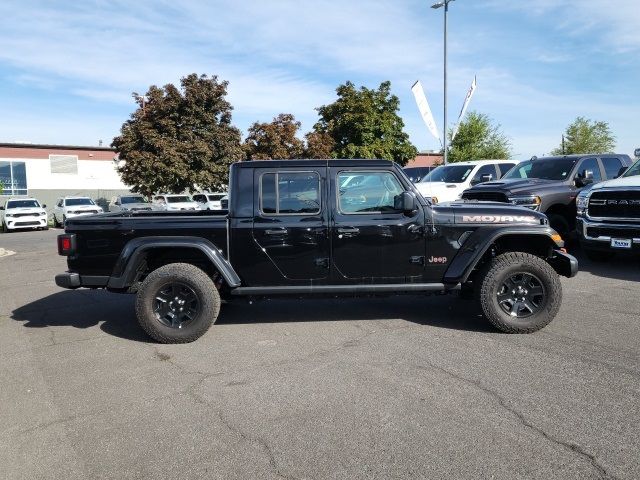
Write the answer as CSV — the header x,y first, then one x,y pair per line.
x,y
136,250
479,242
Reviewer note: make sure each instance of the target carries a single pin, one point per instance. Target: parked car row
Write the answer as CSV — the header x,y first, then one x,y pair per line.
x,y
594,197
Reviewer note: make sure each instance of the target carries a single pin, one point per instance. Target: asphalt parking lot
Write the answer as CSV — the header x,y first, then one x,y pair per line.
x,y
407,387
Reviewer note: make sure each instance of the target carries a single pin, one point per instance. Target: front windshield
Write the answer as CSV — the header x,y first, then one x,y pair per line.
x,y
633,170
23,204
125,200
216,197
178,199
546,169
74,202
449,174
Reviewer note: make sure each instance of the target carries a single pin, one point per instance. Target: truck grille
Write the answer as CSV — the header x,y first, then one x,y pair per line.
x,y
613,232
26,215
615,204
485,196
25,224
224,204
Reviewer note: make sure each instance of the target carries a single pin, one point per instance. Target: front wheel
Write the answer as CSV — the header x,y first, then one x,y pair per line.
x,y
177,303
519,292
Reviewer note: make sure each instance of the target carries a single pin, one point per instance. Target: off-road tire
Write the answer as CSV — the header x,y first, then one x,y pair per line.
x,y
195,279
598,255
491,277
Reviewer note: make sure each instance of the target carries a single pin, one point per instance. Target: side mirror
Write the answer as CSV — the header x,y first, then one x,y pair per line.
x,y
587,179
406,202
44,206
621,171
487,177
2,208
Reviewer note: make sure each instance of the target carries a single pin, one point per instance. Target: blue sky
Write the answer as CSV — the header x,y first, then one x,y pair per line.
x,y
67,69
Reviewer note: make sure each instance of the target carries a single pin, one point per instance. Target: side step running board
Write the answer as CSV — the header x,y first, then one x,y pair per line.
x,y
346,289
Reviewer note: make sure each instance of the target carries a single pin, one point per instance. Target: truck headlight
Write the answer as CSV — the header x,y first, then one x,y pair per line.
x,y
582,202
530,201
9,215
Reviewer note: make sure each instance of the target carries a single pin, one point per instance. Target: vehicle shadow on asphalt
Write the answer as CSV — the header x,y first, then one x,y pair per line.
x,y
441,311
113,313
623,266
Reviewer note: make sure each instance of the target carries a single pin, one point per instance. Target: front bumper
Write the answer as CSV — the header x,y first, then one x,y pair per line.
x,y
74,280
14,223
598,235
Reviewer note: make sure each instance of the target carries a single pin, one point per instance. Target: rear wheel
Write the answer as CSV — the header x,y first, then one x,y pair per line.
x,y
519,292
177,303
598,255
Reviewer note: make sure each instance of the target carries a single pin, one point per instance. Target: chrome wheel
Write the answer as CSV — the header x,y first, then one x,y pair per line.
x,y
176,305
521,295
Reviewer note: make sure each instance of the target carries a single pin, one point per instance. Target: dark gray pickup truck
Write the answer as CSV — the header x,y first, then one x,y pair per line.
x,y
303,228
551,184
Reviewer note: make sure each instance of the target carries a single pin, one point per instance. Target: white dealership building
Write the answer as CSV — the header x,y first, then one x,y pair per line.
x,y
47,172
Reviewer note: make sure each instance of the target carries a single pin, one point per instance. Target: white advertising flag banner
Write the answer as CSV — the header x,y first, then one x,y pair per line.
x,y
425,111
472,89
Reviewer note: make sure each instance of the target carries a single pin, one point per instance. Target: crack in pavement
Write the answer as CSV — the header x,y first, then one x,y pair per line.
x,y
573,447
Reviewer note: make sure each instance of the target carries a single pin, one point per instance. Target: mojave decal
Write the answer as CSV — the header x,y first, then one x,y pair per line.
x,y
499,219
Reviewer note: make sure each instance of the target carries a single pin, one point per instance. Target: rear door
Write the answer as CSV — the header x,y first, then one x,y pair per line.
x,y
290,226
371,240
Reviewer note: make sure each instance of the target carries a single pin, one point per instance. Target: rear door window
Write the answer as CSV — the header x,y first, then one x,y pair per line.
x,y
504,168
612,166
290,193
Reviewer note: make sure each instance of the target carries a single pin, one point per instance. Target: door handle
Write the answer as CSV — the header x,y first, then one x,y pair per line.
x,y
415,228
349,230
280,231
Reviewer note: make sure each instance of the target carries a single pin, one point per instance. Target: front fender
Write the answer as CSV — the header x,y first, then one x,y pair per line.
x,y
479,242
135,251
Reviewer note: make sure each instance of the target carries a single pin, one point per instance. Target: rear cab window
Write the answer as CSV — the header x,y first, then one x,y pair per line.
x,y
290,193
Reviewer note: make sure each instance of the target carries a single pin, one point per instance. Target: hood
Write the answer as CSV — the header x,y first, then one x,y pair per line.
x,y
81,208
137,206
13,211
472,212
518,185
185,205
633,181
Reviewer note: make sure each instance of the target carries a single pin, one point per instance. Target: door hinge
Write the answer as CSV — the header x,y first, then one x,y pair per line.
x,y
418,260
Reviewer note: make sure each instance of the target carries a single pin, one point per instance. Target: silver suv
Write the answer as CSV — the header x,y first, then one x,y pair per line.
x,y
130,203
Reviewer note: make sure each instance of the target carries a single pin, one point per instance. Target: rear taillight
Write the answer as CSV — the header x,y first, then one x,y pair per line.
x,y
66,244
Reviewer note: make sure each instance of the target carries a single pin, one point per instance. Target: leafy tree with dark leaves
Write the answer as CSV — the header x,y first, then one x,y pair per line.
x,y
364,123
179,138
274,140
587,136
319,145
478,138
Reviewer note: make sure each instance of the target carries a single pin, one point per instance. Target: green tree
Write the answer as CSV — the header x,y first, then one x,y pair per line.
x,y
179,138
274,140
587,136
478,138
364,123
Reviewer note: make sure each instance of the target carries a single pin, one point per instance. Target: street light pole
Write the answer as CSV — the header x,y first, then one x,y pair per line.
x,y
445,4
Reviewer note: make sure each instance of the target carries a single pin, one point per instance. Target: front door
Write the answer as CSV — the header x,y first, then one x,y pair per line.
x,y
290,228
372,242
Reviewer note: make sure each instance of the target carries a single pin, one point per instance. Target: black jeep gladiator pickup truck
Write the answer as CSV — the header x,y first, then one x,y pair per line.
x,y
319,227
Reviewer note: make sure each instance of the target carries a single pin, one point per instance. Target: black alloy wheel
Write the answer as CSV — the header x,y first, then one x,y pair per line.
x,y
176,305
521,295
